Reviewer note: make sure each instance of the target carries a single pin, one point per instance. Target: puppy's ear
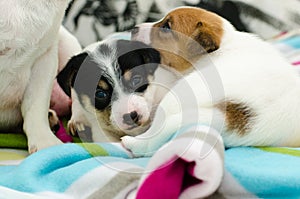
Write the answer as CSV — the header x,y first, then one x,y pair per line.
x,y
205,38
67,76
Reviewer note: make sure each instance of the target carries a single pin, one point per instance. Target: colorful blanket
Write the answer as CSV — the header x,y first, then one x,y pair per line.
x,y
261,173
289,45
192,164
189,166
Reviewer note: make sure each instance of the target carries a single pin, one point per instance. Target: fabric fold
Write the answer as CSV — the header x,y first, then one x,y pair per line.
x,y
190,166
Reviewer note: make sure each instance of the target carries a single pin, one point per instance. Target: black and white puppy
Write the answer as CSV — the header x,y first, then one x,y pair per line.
x,y
113,89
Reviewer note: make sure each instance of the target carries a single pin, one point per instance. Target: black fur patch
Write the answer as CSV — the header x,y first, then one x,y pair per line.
x,y
140,60
135,53
67,76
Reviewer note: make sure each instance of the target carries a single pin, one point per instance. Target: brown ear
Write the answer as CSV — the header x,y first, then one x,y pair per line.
x,y
205,38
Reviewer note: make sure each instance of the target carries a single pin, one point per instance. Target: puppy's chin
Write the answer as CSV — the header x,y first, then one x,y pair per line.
x,y
137,130
132,130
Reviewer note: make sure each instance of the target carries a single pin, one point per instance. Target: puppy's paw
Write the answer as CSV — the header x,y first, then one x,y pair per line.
x,y
74,126
39,143
53,120
138,147
32,149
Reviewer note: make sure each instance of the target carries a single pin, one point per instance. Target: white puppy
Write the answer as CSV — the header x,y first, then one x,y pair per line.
x,y
242,86
29,40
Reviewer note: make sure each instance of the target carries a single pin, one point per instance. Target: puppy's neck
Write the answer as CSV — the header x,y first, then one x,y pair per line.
x,y
228,33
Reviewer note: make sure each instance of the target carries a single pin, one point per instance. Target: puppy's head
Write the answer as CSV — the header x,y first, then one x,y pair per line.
x,y
183,35
112,80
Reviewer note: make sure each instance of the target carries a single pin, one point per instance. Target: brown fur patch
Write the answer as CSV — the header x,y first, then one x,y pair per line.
x,y
238,116
102,84
127,75
103,118
175,61
191,29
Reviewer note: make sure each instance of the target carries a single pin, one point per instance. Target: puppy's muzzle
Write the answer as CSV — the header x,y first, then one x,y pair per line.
x,y
131,118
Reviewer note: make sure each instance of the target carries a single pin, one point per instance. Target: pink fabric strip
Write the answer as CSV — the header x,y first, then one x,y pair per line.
x,y
296,63
169,180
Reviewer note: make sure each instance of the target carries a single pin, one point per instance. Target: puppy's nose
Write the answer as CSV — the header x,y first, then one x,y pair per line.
x,y
131,118
135,30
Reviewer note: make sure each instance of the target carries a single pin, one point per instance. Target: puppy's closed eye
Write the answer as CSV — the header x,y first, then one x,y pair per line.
x,y
138,83
136,80
166,27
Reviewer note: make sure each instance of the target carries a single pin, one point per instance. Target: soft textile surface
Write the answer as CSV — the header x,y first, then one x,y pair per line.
x,y
262,172
183,168
289,45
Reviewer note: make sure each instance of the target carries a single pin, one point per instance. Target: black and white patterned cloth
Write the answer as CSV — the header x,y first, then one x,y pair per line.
x,y
93,20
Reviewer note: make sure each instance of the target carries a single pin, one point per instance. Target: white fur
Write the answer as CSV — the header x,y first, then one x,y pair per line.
x,y
249,71
144,33
29,39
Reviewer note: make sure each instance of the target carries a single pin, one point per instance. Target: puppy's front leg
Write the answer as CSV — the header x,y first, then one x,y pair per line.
x,y
165,126
78,120
36,102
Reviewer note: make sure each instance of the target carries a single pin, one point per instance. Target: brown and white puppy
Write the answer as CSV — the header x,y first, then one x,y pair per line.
x,y
233,82
29,52
182,36
111,84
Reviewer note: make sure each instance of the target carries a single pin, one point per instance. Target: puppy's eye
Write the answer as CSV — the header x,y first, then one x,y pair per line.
x,y
102,99
101,94
136,80
165,27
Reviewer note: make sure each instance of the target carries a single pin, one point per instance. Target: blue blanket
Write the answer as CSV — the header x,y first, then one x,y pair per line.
x,y
109,171
262,172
